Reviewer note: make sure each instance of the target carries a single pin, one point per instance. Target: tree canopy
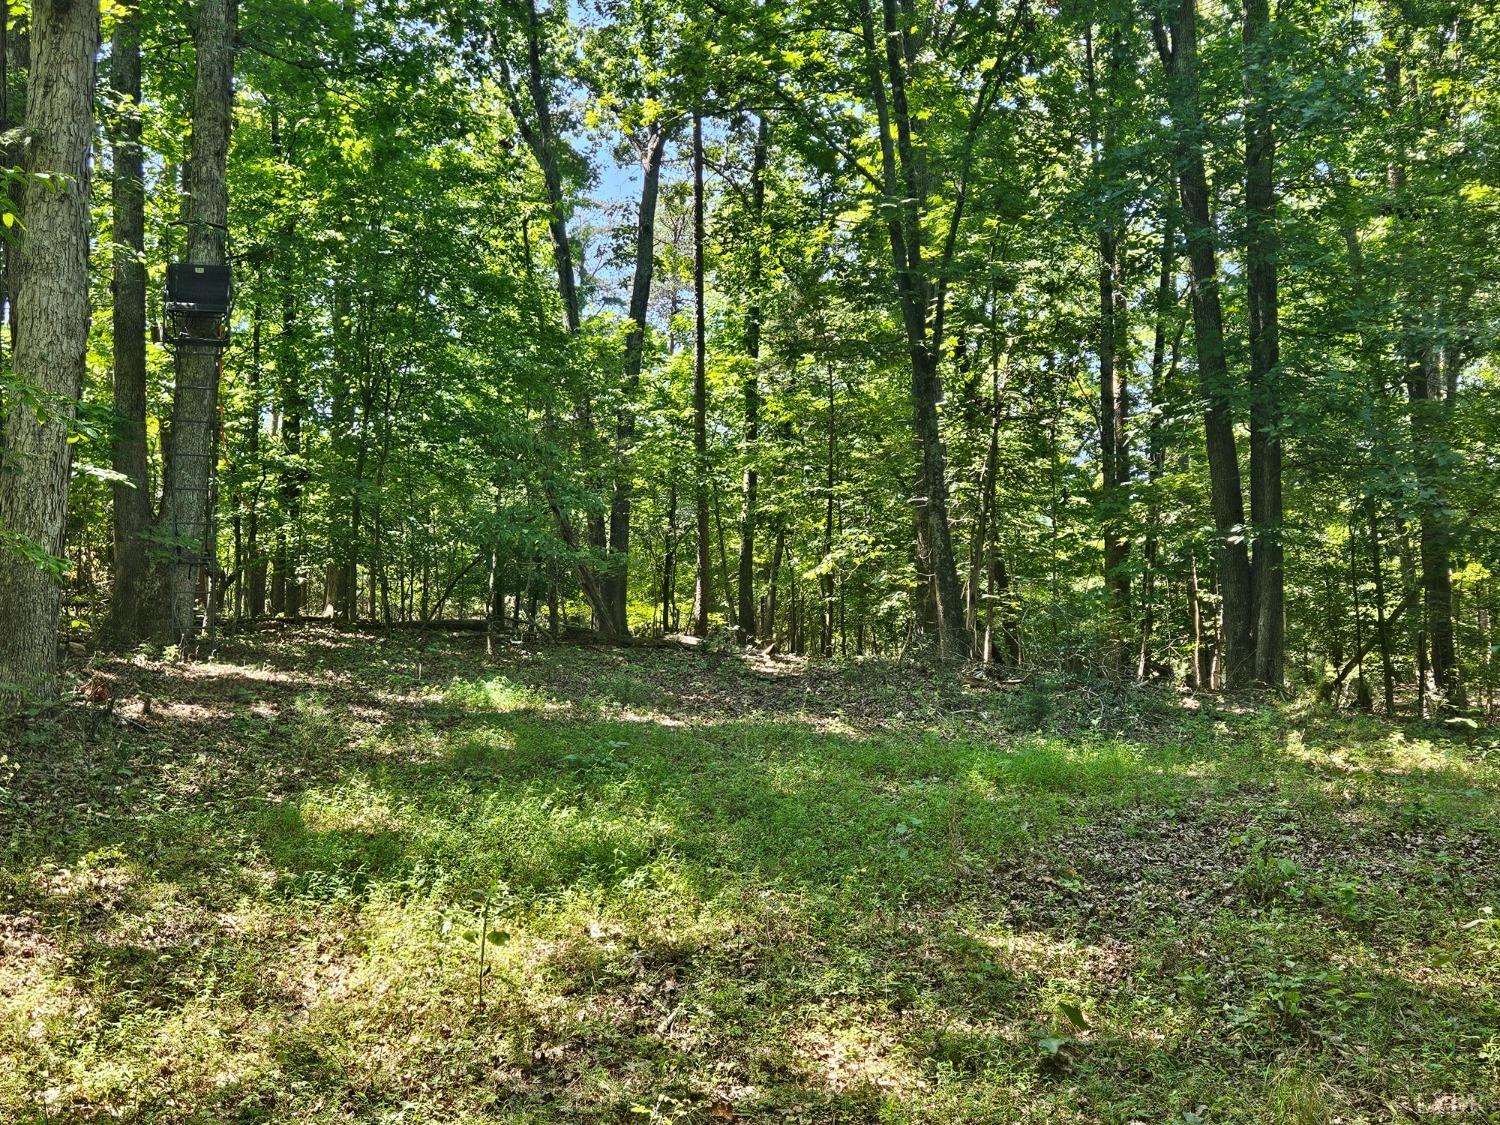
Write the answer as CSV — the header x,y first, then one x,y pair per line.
x,y
1152,340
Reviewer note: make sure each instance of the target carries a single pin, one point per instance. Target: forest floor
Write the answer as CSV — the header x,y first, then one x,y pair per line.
x,y
335,876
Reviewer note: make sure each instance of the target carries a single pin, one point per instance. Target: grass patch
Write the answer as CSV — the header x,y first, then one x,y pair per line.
x,y
330,879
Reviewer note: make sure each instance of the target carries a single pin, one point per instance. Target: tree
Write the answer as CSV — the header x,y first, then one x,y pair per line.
x,y
749,517
1177,43
703,574
184,523
52,321
132,493
1266,384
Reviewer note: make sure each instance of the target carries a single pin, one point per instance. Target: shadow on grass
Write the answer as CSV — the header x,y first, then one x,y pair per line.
x,y
843,920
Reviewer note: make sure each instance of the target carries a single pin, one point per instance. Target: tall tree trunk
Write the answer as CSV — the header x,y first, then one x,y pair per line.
x,y
773,577
188,463
132,495
1114,459
14,50
1382,620
538,131
750,486
979,551
284,588
618,578
904,184
1266,385
724,579
52,324
1434,530
255,567
669,564
1178,45
703,581
825,578
1425,391
1156,449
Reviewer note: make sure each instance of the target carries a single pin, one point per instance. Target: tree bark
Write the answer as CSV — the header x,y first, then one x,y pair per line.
x,y
188,471
255,567
617,580
751,390
1177,43
1114,457
825,578
541,137
703,581
1382,620
669,564
132,496
773,578
52,324
284,589
1156,450
1266,384
1434,530
904,187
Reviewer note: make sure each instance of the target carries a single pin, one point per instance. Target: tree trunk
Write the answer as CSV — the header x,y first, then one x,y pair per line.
x,y
825,577
1200,630
773,577
1156,450
540,136
1178,47
618,578
703,583
284,597
724,580
52,324
132,496
1266,384
188,463
1382,620
747,630
1113,452
255,566
669,564
1425,392
904,180
979,551
1434,531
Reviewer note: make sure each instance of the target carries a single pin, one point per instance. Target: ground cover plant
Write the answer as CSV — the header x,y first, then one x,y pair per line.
x,y
321,875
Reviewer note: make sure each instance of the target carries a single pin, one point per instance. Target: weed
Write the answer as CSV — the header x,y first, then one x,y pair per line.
x,y
1266,877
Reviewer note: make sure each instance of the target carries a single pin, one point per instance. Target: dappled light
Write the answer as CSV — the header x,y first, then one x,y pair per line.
x,y
317,887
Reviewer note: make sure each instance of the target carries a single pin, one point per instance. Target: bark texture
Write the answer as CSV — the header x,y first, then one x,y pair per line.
x,y
1262,303
703,580
617,580
1177,41
904,184
52,322
132,496
751,483
183,524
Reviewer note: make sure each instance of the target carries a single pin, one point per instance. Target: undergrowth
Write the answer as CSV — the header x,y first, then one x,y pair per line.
x,y
338,877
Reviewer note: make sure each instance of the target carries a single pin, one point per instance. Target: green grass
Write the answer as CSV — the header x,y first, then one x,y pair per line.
x,y
333,877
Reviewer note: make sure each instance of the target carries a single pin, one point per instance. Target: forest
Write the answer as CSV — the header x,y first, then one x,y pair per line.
x,y
787,560
1147,340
